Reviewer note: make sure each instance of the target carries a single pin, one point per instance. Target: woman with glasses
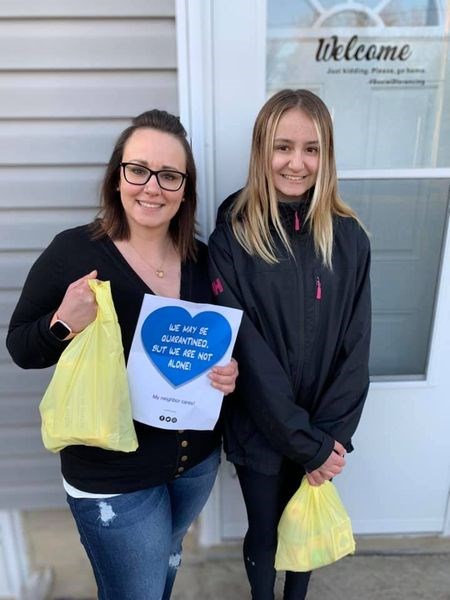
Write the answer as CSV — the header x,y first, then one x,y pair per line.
x,y
132,509
290,253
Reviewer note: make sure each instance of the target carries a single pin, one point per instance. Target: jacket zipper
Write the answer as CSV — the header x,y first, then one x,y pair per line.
x,y
318,288
301,295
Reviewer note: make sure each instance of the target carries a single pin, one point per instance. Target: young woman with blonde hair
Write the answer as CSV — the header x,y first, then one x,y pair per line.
x,y
295,258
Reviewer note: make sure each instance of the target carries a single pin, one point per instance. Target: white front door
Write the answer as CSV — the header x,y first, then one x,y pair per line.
x,y
387,85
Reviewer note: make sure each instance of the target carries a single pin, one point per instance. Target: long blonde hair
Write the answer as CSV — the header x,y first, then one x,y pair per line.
x,y
255,211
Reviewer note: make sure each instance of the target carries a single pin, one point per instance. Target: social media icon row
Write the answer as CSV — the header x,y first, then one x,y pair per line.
x,y
168,419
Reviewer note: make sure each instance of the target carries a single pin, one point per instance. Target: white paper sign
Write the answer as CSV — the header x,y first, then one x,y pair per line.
x,y
175,345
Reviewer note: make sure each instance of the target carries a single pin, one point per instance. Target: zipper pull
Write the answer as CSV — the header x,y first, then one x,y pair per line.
x,y
318,288
297,222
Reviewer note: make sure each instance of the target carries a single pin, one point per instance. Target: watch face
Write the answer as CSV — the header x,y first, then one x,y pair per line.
x,y
59,330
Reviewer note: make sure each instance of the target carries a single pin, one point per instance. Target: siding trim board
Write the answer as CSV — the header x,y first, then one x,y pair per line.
x,y
87,44
27,9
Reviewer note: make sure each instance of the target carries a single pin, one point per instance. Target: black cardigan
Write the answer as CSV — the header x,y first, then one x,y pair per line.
x,y
71,255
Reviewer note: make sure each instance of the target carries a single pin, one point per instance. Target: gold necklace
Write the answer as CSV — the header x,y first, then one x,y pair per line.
x,y
159,272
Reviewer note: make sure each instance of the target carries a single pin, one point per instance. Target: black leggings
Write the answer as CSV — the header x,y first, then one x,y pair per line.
x,y
265,497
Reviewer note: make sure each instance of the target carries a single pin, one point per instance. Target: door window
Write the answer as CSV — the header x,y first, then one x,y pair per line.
x,y
382,69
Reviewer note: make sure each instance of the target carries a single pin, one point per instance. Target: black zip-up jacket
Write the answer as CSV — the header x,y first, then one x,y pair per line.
x,y
303,344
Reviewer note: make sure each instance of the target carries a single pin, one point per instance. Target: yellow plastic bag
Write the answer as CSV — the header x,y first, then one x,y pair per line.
x,y
87,401
314,529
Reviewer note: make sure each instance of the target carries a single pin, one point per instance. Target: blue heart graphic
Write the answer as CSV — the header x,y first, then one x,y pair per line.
x,y
182,347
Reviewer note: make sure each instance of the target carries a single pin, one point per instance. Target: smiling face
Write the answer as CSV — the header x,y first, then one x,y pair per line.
x,y
295,158
148,206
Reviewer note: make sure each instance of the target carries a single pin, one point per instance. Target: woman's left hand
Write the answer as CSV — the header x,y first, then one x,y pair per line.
x,y
330,468
224,378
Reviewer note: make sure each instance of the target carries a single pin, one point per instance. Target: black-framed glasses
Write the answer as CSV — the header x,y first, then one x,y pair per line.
x,y
167,178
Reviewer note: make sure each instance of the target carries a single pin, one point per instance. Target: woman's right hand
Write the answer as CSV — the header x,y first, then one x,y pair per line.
x,y
330,468
78,307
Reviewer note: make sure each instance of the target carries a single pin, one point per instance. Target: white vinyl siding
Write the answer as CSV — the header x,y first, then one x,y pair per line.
x,y
72,74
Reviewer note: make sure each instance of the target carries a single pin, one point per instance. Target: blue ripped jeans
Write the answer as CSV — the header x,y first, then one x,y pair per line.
x,y
134,540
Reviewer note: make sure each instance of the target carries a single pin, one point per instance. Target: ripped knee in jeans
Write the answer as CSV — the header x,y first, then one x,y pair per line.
x,y
107,515
175,560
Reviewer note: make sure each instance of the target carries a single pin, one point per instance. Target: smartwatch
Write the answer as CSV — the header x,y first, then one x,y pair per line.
x,y
60,330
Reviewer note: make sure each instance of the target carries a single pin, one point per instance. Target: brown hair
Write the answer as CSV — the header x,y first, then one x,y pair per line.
x,y
256,208
112,219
